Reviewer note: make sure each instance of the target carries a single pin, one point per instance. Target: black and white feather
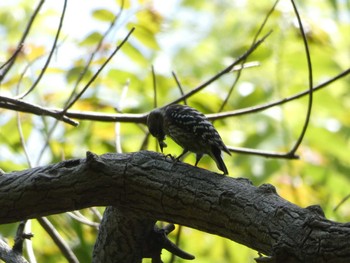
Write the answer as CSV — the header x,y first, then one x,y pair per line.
x,y
190,129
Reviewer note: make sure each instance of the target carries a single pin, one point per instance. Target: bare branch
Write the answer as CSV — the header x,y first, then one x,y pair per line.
x,y
53,48
179,86
76,215
24,36
13,56
223,72
109,117
265,106
309,66
239,73
93,54
59,241
263,153
98,72
22,106
154,82
87,65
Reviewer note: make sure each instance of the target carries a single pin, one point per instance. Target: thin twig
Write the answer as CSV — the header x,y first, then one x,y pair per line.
x,y
21,136
23,38
29,243
82,219
20,105
53,48
109,117
309,67
154,82
96,213
20,237
59,241
239,73
341,203
265,106
93,54
179,86
223,72
263,153
68,101
119,109
13,56
98,72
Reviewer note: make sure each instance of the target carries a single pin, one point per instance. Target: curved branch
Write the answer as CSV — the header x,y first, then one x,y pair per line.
x,y
265,106
309,67
159,189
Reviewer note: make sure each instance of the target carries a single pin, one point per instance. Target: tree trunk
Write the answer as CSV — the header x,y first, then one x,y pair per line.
x,y
154,188
122,236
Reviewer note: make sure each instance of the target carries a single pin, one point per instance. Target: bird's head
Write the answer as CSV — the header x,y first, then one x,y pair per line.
x,y
155,122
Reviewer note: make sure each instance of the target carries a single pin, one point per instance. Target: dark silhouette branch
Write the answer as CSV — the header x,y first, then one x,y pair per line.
x,y
21,41
156,188
95,52
22,106
262,107
71,102
13,57
239,72
93,78
79,79
228,69
310,93
53,48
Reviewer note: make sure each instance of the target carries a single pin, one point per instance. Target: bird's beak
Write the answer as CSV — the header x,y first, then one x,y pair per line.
x,y
162,145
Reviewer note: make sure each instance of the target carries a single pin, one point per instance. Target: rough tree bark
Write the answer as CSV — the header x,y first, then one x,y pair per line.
x,y
155,188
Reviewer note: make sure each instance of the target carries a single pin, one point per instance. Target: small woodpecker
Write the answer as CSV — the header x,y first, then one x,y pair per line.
x,y
190,129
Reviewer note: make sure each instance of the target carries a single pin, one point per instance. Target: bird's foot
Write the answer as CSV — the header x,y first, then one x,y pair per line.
x,y
173,158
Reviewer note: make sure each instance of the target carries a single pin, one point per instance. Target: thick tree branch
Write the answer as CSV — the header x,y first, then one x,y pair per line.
x,y
125,236
159,189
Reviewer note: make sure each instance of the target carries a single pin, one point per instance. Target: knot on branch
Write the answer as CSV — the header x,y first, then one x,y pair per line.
x,y
316,209
158,240
94,161
267,189
244,180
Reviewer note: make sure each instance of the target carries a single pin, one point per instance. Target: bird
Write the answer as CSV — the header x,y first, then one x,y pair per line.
x,y
190,129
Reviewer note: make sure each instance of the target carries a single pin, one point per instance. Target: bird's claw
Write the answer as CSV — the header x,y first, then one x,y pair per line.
x,y
173,158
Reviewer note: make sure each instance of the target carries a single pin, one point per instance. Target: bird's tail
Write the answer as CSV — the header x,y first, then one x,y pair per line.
x,y
216,155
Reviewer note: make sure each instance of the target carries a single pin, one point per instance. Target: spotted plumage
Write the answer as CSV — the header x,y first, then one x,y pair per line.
x,y
190,129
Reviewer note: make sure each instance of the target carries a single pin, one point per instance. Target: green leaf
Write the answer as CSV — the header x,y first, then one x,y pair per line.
x,y
74,73
103,15
134,54
145,36
91,39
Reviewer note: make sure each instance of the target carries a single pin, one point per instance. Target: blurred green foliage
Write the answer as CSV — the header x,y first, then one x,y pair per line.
x,y
195,39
